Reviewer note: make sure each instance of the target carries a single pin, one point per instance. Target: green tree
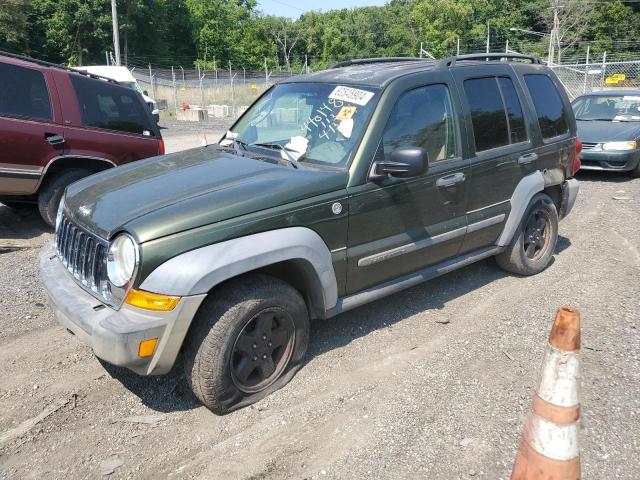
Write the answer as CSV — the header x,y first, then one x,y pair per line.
x,y
74,31
14,34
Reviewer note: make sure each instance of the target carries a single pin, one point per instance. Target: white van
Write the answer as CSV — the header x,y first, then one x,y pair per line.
x,y
123,76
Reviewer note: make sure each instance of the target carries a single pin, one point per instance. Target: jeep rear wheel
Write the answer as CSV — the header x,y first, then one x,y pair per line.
x,y
52,190
535,240
247,340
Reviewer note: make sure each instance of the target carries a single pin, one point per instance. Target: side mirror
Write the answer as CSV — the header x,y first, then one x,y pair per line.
x,y
146,94
405,162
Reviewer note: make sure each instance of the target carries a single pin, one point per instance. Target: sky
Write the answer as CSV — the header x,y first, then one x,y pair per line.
x,y
295,8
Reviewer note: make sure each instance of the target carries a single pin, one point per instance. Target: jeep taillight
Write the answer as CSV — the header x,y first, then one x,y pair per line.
x,y
161,146
575,166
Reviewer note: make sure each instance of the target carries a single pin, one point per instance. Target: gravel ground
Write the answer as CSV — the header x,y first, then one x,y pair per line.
x,y
434,382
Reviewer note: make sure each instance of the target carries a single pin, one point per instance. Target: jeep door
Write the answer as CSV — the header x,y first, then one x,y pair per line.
x,y
30,130
502,151
400,225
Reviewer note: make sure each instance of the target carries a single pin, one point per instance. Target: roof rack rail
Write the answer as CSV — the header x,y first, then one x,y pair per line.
x,y
366,61
493,56
55,65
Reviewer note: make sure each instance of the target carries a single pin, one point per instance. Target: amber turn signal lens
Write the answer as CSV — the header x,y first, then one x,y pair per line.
x,y
147,347
151,301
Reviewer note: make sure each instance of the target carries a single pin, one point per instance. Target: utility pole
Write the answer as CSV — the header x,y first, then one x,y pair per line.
x,y
488,36
554,32
586,70
116,34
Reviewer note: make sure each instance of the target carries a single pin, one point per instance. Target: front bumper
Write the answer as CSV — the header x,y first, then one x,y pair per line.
x,y
114,335
609,161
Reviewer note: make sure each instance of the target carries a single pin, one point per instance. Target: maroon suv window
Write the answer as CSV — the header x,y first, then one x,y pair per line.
x,y
23,93
110,106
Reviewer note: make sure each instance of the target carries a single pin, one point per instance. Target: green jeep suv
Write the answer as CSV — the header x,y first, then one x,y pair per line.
x,y
334,189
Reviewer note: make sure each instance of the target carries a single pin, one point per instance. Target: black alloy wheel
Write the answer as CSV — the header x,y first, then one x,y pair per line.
x,y
536,233
262,350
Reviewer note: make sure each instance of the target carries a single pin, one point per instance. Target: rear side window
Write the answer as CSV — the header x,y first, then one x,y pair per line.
x,y
110,106
23,93
496,112
548,105
517,130
423,117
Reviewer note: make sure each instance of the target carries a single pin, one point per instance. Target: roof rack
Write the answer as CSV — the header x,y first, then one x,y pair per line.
x,y
366,61
55,65
493,56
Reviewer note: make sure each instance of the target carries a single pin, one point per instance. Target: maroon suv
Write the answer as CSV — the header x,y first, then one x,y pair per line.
x,y
58,125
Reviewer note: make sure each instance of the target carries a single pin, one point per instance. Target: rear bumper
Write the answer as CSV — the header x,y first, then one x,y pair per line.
x,y
114,335
570,190
609,161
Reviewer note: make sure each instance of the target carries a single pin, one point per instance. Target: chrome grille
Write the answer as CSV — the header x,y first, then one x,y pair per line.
x,y
588,145
84,255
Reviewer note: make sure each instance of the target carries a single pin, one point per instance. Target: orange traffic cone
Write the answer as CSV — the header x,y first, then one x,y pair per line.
x,y
549,448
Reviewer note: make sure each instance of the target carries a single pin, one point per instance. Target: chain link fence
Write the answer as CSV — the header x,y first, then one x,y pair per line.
x,y
210,94
225,94
581,78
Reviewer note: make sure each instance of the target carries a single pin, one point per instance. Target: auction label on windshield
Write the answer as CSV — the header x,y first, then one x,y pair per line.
x,y
351,95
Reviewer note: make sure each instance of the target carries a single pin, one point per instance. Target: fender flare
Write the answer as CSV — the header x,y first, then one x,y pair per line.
x,y
198,271
522,195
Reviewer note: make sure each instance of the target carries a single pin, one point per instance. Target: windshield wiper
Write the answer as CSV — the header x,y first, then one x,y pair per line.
x,y
595,119
276,146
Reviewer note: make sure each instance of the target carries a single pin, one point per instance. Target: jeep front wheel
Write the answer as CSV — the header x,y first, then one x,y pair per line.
x,y
247,340
535,240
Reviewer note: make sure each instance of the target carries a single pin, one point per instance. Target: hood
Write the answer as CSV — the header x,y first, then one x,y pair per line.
x,y
596,131
164,195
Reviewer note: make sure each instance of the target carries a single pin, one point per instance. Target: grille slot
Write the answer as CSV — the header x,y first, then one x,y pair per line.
x,y
588,145
84,256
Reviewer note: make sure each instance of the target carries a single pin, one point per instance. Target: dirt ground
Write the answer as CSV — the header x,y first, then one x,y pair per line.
x,y
434,382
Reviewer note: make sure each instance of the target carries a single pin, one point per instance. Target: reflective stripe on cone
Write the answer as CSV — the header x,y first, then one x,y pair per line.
x,y
549,448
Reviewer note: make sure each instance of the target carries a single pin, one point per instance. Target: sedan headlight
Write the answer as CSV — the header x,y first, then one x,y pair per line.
x,y
122,259
620,146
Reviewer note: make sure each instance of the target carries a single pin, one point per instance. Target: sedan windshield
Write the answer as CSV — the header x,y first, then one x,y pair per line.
x,y
615,108
318,123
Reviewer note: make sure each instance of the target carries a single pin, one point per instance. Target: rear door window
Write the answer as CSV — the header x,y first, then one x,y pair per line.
x,y
496,112
23,93
548,104
110,106
517,129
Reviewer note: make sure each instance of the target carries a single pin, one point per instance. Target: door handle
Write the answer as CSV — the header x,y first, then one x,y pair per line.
x,y
450,180
527,158
54,138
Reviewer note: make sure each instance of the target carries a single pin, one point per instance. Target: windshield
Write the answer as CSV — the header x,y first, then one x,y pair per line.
x,y
616,108
132,86
318,123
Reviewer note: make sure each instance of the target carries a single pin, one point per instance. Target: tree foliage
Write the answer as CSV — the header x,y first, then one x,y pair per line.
x,y
199,32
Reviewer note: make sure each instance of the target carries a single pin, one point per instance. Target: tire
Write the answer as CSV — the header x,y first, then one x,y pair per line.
x,y
52,190
635,173
533,243
237,330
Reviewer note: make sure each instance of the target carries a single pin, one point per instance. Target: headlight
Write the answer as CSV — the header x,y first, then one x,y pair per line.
x,y
121,260
620,146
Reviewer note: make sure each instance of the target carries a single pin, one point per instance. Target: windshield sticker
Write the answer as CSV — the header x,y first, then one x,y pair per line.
x,y
346,113
345,127
351,95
